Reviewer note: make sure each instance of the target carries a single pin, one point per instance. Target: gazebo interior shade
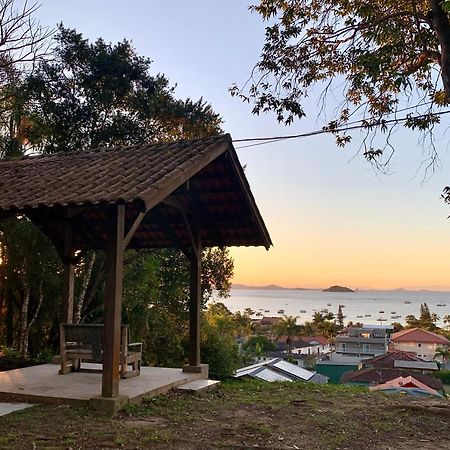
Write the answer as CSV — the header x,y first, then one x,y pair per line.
x,y
171,183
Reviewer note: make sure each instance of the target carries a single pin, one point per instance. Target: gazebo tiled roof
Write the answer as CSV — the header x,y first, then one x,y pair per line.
x,y
201,178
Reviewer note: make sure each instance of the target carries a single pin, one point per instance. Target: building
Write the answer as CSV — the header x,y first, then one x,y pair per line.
x,y
399,359
422,342
407,385
365,342
376,376
305,345
278,370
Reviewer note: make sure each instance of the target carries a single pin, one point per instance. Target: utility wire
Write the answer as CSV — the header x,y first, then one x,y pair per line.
x,y
357,125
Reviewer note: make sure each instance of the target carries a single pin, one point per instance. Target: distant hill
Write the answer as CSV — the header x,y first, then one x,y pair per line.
x,y
338,289
269,287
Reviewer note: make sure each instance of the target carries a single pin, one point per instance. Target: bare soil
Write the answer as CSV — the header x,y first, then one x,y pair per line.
x,y
242,415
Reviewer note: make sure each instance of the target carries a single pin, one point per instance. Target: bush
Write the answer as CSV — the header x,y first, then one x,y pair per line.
x,y
10,352
443,375
45,356
220,352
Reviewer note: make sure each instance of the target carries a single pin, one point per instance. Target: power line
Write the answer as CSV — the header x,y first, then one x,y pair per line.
x,y
358,124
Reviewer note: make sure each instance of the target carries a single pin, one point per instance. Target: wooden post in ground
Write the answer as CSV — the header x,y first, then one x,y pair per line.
x,y
113,304
67,303
195,260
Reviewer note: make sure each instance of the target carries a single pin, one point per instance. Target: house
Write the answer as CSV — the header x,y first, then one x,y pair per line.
x,y
335,369
268,321
375,376
407,385
368,341
305,345
400,360
424,343
278,370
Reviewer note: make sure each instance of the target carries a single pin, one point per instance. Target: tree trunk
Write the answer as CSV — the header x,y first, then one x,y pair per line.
x,y
441,27
83,289
23,336
9,319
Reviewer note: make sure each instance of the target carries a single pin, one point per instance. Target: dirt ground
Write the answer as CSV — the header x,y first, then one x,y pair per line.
x,y
242,415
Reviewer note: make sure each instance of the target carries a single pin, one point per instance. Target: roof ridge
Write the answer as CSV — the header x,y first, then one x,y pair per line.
x,y
105,149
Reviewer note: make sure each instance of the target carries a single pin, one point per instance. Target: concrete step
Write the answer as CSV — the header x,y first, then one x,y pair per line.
x,y
8,408
199,385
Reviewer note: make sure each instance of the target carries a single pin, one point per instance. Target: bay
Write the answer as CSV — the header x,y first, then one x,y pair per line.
x,y
358,303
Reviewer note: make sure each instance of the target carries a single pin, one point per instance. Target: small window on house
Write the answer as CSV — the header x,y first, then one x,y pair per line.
x,y
419,345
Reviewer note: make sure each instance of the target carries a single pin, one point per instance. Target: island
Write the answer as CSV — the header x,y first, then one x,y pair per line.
x,y
338,289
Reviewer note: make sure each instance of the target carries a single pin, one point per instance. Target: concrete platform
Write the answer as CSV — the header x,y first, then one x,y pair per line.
x,y
43,384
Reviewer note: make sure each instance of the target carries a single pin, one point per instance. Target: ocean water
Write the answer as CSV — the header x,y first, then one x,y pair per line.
x,y
359,303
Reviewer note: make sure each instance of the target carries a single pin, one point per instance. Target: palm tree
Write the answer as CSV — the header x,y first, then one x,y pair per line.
x,y
287,326
443,353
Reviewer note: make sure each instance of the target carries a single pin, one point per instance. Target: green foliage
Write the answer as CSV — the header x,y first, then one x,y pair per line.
x,y
443,375
98,94
220,351
383,56
427,320
288,327
45,356
324,323
10,352
263,343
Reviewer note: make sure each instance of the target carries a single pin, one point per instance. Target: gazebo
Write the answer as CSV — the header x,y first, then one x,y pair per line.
x,y
185,195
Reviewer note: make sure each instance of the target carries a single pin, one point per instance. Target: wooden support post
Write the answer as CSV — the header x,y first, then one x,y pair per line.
x,y
195,298
69,276
113,304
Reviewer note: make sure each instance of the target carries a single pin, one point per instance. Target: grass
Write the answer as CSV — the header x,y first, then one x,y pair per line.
x,y
241,414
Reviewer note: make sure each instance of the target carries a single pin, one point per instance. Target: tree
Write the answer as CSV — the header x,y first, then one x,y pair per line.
x,y
91,95
324,323
23,44
384,56
443,353
264,344
287,326
340,317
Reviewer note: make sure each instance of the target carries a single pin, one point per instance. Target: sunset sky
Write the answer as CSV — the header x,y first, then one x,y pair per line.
x,y
332,218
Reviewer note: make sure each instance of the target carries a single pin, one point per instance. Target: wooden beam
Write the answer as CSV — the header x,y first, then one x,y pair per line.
x,y
195,298
113,304
192,237
133,229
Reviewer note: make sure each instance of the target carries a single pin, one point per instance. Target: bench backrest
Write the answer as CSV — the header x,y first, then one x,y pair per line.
x,y
88,337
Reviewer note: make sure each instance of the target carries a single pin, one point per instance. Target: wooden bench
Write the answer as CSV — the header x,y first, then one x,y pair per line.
x,y
84,342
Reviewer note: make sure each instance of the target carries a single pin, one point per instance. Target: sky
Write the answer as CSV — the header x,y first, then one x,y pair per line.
x,y
333,219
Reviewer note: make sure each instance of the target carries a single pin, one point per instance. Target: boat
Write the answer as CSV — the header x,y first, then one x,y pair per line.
x,y
328,304
381,312
393,312
266,310
407,302
281,311
367,315
441,304
359,317
303,311
396,317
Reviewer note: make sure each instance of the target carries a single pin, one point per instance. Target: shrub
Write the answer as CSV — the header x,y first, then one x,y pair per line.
x,y
220,352
443,375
